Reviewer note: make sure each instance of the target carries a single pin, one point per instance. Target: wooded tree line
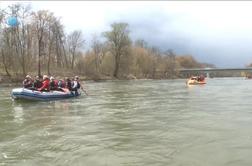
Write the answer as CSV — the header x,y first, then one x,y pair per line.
x,y
38,44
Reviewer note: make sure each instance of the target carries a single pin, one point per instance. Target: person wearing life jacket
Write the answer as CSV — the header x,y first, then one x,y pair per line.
x,y
45,84
53,85
37,83
76,85
27,83
61,83
68,84
201,78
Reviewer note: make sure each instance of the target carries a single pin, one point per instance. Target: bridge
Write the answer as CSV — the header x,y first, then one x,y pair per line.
x,y
214,71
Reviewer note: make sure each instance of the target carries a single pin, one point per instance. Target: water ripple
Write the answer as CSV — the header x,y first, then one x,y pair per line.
x,y
142,122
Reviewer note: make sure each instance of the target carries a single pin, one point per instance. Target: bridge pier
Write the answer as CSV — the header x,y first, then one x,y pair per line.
x,y
208,75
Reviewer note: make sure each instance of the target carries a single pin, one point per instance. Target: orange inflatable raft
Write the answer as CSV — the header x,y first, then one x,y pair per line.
x,y
195,81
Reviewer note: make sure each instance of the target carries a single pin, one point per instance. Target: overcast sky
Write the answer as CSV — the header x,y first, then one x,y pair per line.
x,y
214,32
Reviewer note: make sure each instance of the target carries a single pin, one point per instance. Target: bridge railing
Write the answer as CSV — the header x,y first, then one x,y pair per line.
x,y
217,72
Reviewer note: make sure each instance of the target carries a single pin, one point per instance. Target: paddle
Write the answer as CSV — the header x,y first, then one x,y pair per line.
x,y
84,90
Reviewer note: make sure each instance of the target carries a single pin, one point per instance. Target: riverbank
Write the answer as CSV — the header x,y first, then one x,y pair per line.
x,y
17,79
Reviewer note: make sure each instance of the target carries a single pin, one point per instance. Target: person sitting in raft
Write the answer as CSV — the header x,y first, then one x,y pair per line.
x,y
45,84
68,84
76,85
53,85
56,82
61,83
27,83
201,78
37,83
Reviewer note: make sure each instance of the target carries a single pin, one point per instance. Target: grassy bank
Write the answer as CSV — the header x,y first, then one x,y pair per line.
x,y
18,78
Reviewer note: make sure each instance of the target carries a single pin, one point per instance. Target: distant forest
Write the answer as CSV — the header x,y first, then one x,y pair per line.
x,y
39,45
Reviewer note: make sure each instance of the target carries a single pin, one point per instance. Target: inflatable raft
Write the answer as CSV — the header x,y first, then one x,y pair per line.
x,y
194,81
27,94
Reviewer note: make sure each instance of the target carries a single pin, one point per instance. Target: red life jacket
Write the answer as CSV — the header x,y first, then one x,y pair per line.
x,y
46,85
56,83
63,84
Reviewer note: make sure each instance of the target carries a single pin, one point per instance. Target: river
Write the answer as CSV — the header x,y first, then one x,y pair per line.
x,y
132,123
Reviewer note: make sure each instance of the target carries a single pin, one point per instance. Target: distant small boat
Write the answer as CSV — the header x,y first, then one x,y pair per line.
x,y
195,81
248,77
27,94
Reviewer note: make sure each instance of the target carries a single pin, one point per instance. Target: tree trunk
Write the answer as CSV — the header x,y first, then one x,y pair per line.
x,y
39,52
49,61
39,72
73,58
5,66
64,52
58,54
117,61
22,47
23,62
96,64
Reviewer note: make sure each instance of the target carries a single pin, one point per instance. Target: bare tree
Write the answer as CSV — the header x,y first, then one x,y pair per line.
x,y
141,43
19,33
1,17
170,63
98,48
6,50
156,56
75,41
60,41
53,40
120,43
41,20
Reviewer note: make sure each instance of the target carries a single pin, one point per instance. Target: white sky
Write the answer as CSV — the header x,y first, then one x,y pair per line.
x,y
197,26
